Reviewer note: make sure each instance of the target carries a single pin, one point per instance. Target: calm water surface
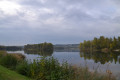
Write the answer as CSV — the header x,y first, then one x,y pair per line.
x,y
99,61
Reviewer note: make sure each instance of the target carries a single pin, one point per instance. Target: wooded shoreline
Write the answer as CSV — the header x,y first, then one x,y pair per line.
x,y
101,44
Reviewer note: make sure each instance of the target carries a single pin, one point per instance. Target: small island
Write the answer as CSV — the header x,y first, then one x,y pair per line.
x,y
41,49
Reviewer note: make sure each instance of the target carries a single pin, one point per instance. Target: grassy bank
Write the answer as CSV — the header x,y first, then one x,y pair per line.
x,y
6,74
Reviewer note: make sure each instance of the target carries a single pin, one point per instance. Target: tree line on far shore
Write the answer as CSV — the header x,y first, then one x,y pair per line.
x,y
42,47
101,43
11,48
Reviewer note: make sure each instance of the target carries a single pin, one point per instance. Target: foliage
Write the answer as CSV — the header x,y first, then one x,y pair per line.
x,y
22,67
51,69
10,60
39,48
45,69
97,44
48,69
11,48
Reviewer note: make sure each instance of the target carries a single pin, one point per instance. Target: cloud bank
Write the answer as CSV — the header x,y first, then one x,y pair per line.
x,y
57,21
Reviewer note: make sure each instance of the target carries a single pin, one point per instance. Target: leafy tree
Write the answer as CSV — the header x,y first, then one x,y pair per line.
x,y
100,43
39,48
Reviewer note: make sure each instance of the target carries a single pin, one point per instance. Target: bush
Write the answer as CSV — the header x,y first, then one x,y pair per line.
x,y
51,69
9,61
44,69
22,68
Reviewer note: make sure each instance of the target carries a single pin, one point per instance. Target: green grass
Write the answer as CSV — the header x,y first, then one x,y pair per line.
x,y
6,74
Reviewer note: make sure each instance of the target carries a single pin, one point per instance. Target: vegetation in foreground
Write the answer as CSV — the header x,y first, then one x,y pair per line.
x,y
101,44
10,60
49,69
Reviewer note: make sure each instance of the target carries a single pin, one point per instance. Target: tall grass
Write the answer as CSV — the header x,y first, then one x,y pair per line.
x,y
10,60
19,56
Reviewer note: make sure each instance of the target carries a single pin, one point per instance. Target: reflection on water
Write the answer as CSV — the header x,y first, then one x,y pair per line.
x,y
66,49
96,57
112,57
38,52
92,60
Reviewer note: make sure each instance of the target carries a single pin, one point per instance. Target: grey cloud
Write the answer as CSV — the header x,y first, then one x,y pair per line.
x,y
116,19
33,3
59,21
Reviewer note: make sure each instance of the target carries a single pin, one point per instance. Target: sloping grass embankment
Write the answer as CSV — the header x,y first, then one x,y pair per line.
x,y
6,74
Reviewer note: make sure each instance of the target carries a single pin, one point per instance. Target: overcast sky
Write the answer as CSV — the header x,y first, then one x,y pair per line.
x,y
57,21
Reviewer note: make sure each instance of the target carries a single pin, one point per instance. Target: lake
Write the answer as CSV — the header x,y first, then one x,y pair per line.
x,y
100,61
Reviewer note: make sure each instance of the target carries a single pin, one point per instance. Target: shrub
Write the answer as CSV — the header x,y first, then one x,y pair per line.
x,y
9,61
51,69
22,68
44,69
